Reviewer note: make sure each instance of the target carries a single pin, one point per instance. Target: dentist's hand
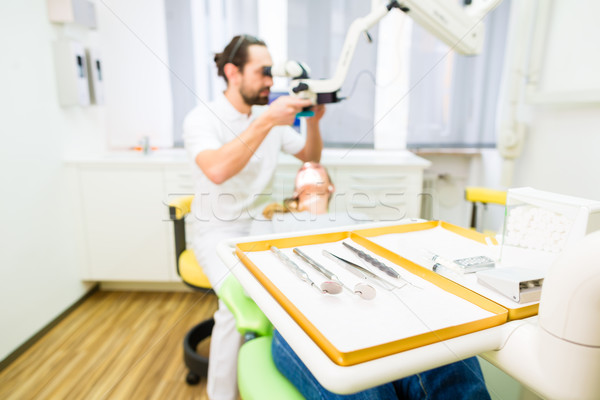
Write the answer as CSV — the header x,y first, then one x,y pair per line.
x,y
319,111
283,110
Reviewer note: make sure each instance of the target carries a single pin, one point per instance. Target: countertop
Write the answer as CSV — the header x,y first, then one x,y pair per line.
x,y
330,157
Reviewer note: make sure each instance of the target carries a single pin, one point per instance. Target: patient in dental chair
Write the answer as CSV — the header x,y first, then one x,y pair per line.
x,y
312,192
308,209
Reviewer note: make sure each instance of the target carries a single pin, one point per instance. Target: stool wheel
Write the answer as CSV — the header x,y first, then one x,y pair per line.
x,y
192,378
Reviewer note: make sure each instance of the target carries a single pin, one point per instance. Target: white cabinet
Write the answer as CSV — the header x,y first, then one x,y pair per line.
x,y
128,237
127,233
377,193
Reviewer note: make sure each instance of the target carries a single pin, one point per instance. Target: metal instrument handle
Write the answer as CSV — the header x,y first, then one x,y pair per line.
x,y
300,273
316,265
354,268
373,261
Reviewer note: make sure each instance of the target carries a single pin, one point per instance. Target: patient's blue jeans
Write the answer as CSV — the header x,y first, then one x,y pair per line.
x,y
460,380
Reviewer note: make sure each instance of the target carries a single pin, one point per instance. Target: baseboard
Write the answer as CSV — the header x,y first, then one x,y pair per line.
x,y
33,339
146,286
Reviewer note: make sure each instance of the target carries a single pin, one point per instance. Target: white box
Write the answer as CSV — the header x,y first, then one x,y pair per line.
x,y
539,225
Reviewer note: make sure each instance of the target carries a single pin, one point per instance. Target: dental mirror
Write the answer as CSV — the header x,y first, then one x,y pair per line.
x,y
362,290
366,292
331,287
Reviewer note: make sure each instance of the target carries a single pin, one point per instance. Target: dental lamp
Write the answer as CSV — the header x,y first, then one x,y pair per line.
x,y
459,27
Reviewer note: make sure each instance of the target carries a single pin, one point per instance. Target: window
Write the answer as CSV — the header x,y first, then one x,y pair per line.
x,y
443,99
453,99
196,31
316,33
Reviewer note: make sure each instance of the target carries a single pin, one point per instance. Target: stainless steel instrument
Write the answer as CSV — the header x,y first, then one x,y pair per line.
x,y
325,287
359,271
362,290
374,262
378,264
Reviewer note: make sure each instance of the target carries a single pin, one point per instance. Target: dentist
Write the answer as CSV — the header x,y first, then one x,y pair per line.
x,y
234,144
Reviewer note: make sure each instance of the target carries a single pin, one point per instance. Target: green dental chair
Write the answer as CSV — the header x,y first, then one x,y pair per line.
x,y
258,378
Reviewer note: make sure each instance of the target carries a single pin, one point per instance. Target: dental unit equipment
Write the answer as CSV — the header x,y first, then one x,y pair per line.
x,y
518,284
457,26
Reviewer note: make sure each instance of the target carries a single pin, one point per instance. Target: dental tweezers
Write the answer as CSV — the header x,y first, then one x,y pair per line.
x,y
359,271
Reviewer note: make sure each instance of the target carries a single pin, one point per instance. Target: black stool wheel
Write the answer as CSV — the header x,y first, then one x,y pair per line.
x,y
197,364
192,379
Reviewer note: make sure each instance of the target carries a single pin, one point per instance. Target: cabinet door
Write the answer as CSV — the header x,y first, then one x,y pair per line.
x,y
377,193
126,224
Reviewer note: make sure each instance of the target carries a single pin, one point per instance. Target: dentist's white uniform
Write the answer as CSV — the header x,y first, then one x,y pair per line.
x,y
227,210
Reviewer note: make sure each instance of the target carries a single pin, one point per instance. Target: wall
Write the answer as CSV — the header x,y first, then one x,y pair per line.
x,y
560,101
561,151
39,256
133,44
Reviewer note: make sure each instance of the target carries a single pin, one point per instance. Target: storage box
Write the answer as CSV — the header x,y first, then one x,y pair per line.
x,y
538,225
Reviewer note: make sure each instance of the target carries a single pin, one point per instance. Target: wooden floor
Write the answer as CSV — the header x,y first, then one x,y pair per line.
x,y
116,345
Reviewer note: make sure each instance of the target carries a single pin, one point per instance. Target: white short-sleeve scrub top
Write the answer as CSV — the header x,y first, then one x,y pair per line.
x,y
242,197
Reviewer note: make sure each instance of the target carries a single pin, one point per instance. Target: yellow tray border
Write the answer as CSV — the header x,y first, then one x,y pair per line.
x,y
373,352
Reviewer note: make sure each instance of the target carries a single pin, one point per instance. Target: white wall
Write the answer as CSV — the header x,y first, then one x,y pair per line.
x,y
133,44
561,151
38,256
561,144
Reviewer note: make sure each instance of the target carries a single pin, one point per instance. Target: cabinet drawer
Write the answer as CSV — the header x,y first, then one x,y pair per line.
x,y
371,207
179,182
381,193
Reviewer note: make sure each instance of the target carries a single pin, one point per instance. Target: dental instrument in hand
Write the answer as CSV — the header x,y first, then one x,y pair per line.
x,y
377,264
364,291
361,272
325,287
